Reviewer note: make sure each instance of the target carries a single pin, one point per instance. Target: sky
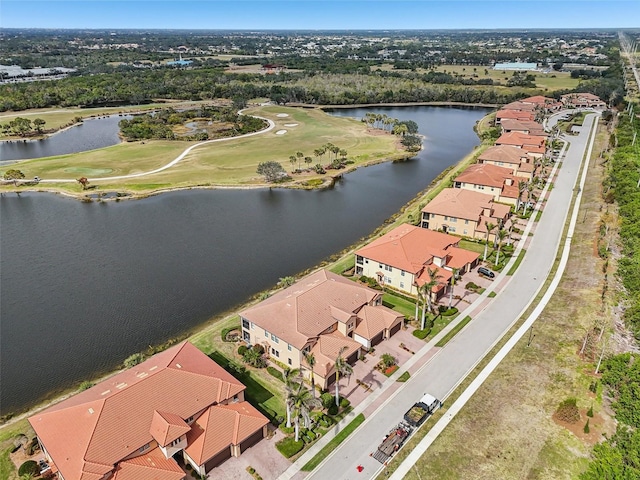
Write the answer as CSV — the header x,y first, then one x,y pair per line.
x,y
319,14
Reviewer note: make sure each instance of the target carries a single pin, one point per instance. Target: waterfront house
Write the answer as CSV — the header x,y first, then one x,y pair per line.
x,y
502,115
582,100
401,258
323,314
179,406
486,178
464,212
534,145
527,127
544,104
508,156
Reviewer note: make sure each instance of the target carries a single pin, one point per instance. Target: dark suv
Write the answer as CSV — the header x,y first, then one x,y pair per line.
x,y
486,272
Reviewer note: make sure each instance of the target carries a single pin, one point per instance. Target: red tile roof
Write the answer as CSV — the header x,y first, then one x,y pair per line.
x,y
515,114
167,427
503,153
327,348
529,143
306,308
376,320
94,430
459,257
459,203
151,466
485,174
520,106
221,426
408,247
442,276
525,126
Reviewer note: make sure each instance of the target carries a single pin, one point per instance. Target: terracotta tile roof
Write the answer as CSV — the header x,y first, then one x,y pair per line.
x,y
408,247
503,153
112,420
515,114
221,426
459,203
459,257
520,106
529,143
538,100
376,320
304,310
167,427
151,466
443,280
326,351
485,174
526,167
510,191
525,126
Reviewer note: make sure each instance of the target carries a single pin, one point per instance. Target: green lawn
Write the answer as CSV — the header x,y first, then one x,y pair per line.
x,y
401,305
473,246
343,264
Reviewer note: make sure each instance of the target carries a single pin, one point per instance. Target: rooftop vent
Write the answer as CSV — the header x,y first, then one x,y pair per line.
x,y
153,368
106,392
120,386
91,411
178,365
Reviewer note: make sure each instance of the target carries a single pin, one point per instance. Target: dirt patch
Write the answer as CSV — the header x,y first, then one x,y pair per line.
x,y
599,427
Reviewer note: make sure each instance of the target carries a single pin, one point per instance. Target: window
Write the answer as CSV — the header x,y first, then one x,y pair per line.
x,y
446,218
402,273
289,361
266,334
274,338
379,265
253,325
387,280
452,229
175,442
143,448
190,419
358,259
388,268
401,284
288,346
465,231
245,324
466,222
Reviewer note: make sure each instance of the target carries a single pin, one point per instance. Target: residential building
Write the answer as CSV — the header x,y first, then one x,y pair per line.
x,y
487,178
534,145
466,213
582,100
509,156
401,259
178,403
501,115
544,104
323,314
527,127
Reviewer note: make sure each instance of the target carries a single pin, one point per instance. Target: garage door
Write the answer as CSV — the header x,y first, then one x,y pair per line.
x,y
353,358
218,459
377,339
395,329
331,378
251,441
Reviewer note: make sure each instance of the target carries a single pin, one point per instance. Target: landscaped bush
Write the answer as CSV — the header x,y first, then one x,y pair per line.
x,y
333,409
422,334
286,430
226,331
242,349
274,372
327,399
471,286
30,467
344,403
449,312
289,447
259,348
133,360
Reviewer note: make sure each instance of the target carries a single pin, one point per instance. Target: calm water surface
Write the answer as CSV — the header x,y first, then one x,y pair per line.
x,y
83,286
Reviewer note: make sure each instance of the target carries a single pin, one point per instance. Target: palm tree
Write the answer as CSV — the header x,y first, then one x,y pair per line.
x,y
292,379
293,160
308,160
302,404
500,236
529,196
426,292
490,226
311,361
522,186
300,156
342,368
454,272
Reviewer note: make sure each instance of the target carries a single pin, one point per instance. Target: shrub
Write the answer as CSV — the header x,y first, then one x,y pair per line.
x,y
86,385
30,467
388,360
449,312
471,286
568,411
593,386
133,360
590,411
286,430
333,409
274,372
251,470
242,349
259,348
586,428
289,447
344,403
327,399
224,334
422,334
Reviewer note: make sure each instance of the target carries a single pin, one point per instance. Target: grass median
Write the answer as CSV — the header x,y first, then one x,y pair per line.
x,y
335,441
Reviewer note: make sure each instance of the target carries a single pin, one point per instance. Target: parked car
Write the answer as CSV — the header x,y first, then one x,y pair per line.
x,y
486,272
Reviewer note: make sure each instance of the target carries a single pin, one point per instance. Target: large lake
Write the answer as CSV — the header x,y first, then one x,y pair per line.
x,y
83,286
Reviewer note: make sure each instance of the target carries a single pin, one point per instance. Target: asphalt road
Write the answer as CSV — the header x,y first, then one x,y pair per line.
x,y
446,369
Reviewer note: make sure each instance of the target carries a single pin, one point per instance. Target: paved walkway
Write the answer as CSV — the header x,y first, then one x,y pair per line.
x,y
447,367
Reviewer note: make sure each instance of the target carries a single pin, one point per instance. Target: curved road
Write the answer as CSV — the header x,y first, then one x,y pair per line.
x,y
168,165
442,374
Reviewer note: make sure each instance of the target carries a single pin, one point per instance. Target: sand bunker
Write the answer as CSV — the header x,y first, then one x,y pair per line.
x,y
282,115
290,124
281,132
